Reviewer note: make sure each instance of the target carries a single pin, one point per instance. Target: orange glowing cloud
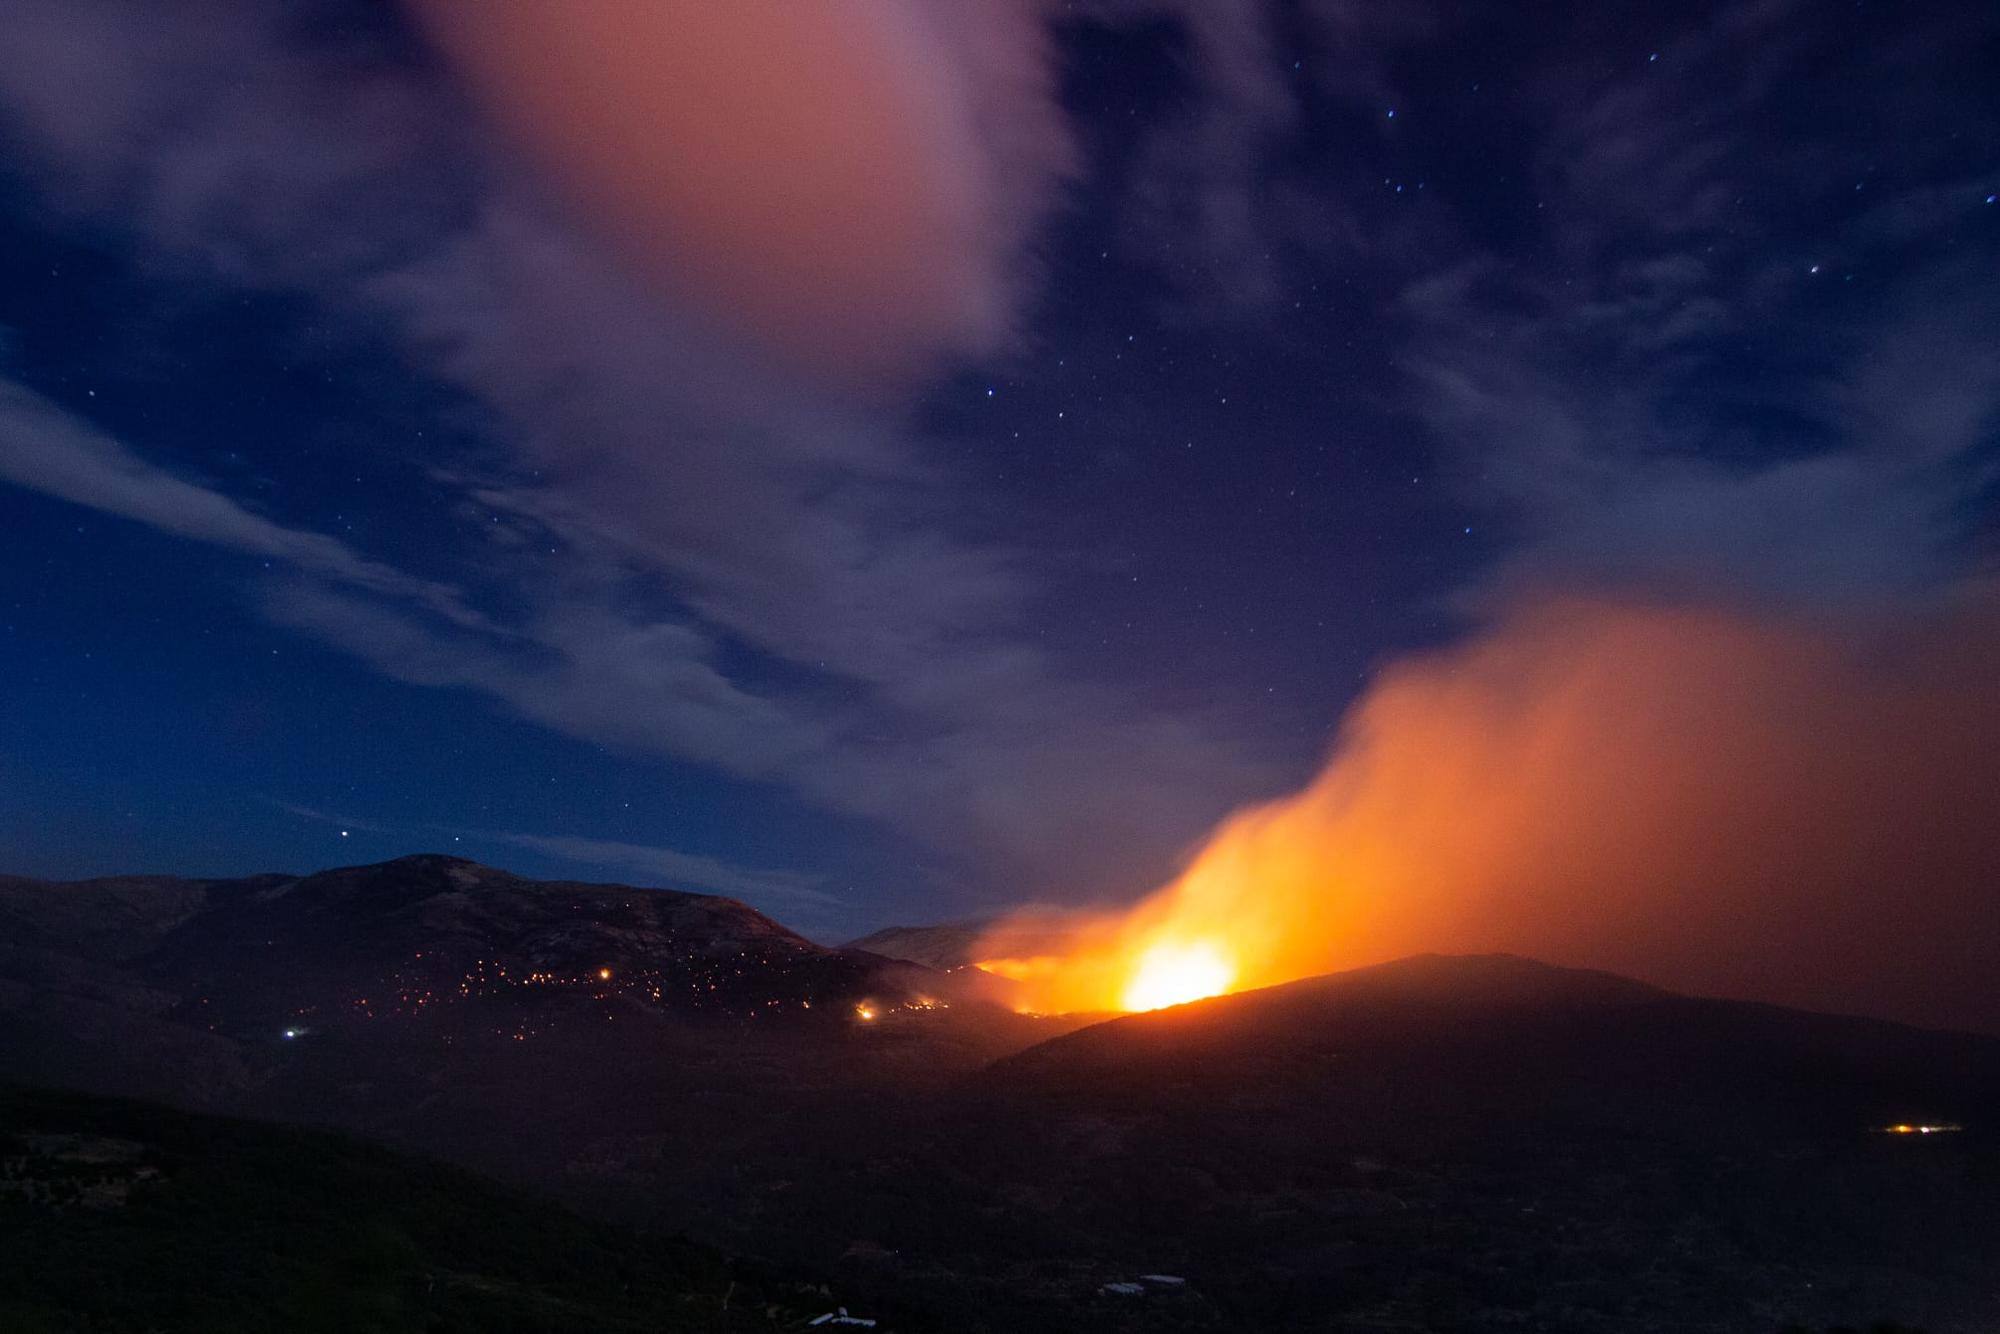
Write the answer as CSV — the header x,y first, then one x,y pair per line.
x,y
847,183
1780,810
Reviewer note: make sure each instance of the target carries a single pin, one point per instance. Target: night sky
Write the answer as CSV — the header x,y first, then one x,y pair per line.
x,y
891,461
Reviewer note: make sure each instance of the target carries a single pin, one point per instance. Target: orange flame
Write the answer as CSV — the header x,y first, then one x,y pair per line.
x,y
1713,801
1169,974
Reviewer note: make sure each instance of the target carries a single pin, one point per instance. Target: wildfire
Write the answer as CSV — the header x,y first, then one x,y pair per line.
x,y
1172,974
1592,782
1151,972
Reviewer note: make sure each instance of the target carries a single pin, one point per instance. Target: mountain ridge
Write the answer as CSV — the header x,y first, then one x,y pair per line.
x,y
1502,1141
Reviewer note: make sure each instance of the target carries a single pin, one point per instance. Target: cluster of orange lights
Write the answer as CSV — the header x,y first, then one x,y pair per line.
x,y
1905,1128
869,1011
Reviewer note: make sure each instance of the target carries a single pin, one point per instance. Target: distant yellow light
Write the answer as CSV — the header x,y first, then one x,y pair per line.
x,y
604,974
866,1012
1172,974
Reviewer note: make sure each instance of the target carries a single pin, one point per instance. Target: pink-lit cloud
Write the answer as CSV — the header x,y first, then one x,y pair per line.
x,y
848,184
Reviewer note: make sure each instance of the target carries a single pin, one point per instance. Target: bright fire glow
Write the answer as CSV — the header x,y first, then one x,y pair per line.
x,y
1172,974
1588,783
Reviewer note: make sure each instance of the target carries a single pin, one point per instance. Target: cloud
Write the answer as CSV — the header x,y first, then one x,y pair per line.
x,y
318,816
647,689
670,867
683,525
674,868
851,184
1647,395
225,142
47,449
711,558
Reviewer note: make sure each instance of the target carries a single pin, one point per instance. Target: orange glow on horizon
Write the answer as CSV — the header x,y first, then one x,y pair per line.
x,y
1601,785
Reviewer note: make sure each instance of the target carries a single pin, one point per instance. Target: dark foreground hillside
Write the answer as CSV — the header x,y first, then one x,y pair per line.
x,y
126,1218
1444,1143
1438,1144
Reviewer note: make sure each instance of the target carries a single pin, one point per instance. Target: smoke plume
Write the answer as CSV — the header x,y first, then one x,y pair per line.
x,y
1732,804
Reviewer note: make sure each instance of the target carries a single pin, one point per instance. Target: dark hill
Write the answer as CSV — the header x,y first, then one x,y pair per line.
x,y
425,934
1443,1045
169,987
943,947
1440,1143
1468,1143
1490,1142
120,1217
462,1010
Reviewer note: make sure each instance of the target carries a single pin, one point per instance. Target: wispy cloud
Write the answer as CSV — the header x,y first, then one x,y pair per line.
x,y
670,868
662,867
715,514
318,816
50,450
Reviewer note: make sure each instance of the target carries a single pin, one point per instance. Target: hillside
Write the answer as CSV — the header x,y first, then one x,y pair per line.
x,y
1465,1044
1441,1143
944,947
118,1217
182,988
1462,1143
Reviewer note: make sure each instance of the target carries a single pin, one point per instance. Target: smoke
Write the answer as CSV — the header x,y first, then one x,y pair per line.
x,y
1789,810
847,183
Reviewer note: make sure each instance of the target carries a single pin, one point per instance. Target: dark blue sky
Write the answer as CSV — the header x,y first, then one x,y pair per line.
x,y
370,490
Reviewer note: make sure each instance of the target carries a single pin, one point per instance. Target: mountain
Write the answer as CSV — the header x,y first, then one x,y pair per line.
x,y
547,1029
426,935
629,1045
944,947
1462,1143
431,941
1462,1044
1451,1143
